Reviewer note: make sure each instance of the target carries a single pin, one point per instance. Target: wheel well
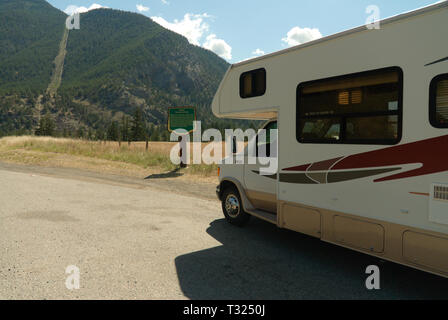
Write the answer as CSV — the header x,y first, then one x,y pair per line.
x,y
226,184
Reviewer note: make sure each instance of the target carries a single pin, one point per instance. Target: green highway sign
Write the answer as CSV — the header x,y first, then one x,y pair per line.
x,y
181,118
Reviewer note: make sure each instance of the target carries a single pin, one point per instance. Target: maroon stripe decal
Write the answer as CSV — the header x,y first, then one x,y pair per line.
x,y
432,154
323,165
299,168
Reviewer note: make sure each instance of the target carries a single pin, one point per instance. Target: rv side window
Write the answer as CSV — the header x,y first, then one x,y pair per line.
x,y
438,101
253,83
362,108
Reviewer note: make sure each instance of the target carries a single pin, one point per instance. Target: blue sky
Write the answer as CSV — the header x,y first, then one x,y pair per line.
x,y
235,29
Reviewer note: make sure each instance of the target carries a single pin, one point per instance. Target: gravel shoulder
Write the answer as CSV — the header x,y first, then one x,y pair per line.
x,y
203,188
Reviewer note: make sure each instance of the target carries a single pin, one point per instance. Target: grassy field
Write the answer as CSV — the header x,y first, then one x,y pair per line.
x,y
102,156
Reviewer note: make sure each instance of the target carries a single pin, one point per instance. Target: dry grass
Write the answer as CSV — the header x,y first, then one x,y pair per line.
x,y
102,156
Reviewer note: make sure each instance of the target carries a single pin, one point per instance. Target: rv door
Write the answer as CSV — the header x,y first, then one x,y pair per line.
x,y
261,187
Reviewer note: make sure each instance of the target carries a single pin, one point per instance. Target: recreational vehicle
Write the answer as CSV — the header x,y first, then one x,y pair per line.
x,y
362,120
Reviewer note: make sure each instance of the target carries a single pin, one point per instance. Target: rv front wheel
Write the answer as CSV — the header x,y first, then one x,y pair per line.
x,y
233,208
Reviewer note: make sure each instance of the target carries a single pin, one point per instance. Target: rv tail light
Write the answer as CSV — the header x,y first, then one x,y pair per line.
x,y
219,171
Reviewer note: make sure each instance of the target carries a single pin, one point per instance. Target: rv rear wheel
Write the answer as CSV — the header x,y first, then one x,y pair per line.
x,y
233,207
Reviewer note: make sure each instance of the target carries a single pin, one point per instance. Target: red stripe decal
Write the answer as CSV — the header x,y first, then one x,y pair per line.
x,y
420,193
432,154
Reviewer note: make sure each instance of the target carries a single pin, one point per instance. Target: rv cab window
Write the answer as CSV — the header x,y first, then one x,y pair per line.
x,y
362,108
253,83
438,104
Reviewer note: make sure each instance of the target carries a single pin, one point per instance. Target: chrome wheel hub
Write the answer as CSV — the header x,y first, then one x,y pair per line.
x,y
232,205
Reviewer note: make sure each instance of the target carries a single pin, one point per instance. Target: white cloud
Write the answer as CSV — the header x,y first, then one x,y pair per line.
x,y
192,26
258,52
165,2
71,9
298,35
142,8
218,46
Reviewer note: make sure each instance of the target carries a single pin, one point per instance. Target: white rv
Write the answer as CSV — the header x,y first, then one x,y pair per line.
x,y
362,121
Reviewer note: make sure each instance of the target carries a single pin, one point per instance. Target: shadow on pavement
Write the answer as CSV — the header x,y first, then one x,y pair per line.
x,y
261,261
172,174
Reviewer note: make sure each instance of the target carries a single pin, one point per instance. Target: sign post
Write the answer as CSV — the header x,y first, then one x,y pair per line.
x,y
181,118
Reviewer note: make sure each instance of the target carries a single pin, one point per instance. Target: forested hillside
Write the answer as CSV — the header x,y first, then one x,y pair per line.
x,y
116,65
30,32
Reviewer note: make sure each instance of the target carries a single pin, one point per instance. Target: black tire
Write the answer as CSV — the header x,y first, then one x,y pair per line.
x,y
232,207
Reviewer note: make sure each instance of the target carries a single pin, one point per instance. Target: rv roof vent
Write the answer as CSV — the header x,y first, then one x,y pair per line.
x,y
440,192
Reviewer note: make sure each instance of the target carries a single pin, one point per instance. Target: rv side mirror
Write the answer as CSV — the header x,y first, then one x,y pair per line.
x,y
234,145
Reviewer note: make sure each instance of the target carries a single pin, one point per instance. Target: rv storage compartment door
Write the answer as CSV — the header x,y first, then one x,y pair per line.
x,y
359,234
301,219
426,250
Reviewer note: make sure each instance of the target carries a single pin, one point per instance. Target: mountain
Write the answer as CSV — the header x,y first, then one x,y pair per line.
x,y
30,32
86,79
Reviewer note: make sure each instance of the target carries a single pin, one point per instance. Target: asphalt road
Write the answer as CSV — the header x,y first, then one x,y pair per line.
x,y
166,239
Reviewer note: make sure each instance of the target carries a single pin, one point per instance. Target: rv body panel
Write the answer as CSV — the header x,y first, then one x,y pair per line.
x,y
333,190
